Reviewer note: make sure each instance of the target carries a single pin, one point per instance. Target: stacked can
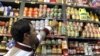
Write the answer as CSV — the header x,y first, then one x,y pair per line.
x,y
73,28
43,11
40,24
52,47
81,14
91,30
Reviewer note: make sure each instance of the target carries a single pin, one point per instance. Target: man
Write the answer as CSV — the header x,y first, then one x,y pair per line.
x,y
26,38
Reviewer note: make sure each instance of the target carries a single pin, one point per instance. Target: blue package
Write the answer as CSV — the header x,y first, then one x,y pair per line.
x,y
9,10
11,43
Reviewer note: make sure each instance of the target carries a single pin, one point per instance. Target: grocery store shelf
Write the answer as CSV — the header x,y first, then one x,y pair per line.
x,y
88,7
40,18
74,20
84,55
83,39
9,35
32,18
7,17
48,3
51,54
3,50
8,1
2,53
56,37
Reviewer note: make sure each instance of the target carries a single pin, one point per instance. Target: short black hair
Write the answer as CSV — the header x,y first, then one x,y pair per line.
x,y
19,28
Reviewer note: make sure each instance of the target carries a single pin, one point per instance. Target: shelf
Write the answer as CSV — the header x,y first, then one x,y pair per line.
x,y
3,50
40,18
56,37
74,20
7,17
84,55
32,18
87,7
8,35
9,1
2,53
83,39
48,3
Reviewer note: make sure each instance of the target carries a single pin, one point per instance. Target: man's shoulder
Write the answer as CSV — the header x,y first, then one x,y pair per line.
x,y
12,51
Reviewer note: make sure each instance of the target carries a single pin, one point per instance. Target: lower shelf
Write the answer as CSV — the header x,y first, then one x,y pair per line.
x,y
2,53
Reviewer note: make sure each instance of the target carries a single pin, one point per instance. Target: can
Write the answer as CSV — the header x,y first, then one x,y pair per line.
x,y
53,1
40,0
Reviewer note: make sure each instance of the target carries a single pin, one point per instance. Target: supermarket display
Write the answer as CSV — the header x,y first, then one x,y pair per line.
x,y
85,3
81,14
43,12
40,24
83,48
53,47
83,30
78,23
5,26
8,10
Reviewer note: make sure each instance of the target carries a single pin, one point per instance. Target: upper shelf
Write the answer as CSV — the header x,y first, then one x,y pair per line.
x,y
45,3
15,1
83,39
87,21
87,7
8,35
12,4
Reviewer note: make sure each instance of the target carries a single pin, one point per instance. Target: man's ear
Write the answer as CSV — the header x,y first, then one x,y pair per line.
x,y
26,35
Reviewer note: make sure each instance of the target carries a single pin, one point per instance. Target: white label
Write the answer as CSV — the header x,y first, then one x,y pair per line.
x,y
11,14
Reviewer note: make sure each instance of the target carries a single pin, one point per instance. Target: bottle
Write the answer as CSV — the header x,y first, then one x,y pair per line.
x,y
64,44
47,1
63,29
53,42
59,51
15,19
43,51
25,11
96,18
92,16
59,1
3,42
10,23
60,27
40,0
38,50
54,49
49,51
59,41
48,42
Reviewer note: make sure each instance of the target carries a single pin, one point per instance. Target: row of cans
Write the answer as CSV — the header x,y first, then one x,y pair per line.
x,y
43,11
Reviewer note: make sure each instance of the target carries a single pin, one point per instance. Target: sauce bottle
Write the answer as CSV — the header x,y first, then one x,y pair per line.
x,y
54,49
59,51
49,51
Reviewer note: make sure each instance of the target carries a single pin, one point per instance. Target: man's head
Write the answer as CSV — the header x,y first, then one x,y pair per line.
x,y
23,31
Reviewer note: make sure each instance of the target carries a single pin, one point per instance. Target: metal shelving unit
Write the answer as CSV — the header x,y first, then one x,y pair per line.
x,y
21,9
